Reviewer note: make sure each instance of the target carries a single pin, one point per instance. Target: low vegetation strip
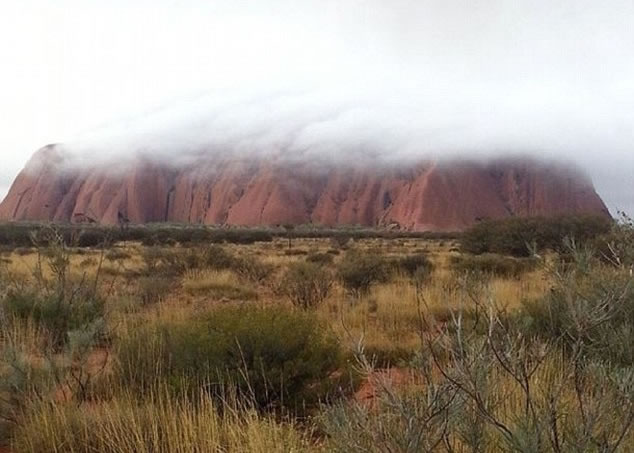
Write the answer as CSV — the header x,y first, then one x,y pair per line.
x,y
92,235
255,347
516,235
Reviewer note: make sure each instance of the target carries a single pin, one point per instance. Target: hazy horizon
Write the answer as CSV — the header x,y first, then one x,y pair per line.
x,y
401,78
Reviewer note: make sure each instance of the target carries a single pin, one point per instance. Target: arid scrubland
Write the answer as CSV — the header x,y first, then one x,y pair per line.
x,y
322,343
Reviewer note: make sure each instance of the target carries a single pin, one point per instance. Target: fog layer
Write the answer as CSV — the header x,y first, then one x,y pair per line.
x,y
390,80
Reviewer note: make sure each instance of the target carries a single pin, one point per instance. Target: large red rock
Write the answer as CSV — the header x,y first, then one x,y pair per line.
x,y
443,196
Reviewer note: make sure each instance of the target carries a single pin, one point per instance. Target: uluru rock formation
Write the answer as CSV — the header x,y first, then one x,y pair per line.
x,y
230,190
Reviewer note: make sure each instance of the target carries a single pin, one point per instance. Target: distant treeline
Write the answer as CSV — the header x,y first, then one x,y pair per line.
x,y
516,236
82,235
511,236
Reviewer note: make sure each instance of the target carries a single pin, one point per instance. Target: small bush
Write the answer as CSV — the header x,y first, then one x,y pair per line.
x,y
22,378
57,314
306,284
415,265
153,289
389,355
592,311
16,235
92,238
358,272
493,265
171,261
217,257
513,236
320,258
252,269
617,247
275,357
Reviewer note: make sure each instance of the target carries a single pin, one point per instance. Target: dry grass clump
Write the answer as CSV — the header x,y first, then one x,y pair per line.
x,y
276,357
154,288
161,423
490,264
223,284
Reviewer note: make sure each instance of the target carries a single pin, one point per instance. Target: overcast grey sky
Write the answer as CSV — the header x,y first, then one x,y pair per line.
x,y
393,77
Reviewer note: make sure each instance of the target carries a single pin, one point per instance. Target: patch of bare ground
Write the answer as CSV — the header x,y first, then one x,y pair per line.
x,y
376,382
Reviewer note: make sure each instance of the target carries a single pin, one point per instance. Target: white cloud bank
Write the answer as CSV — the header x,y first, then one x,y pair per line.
x,y
394,79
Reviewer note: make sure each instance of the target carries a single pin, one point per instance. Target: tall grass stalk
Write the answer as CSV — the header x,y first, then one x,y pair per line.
x,y
161,423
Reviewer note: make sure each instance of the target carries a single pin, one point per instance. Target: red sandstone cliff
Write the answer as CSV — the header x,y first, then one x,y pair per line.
x,y
216,190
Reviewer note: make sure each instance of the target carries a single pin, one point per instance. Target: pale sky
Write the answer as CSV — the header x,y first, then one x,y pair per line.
x,y
477,77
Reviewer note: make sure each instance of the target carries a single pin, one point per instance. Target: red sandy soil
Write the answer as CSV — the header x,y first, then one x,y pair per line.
x,y
372,387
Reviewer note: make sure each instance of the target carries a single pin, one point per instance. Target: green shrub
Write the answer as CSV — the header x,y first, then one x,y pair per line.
x,y
415,265
92,238
513,236
59,303
493,265
154,288
241,236
176,261
16,235
217,257
252,269
163,234
306,284
171,261
617,247
589,309
273,356
22,380
57,314
389,355
358,271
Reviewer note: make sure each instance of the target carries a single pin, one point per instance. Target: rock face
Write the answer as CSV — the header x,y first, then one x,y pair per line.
x,y
250,191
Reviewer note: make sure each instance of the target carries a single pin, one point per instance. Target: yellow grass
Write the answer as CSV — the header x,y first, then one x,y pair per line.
x,y
217,284
387,321
386,318
159,424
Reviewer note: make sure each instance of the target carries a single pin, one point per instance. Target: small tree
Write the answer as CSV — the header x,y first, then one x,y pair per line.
x,y
306,284
289,228
358,272
417,265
